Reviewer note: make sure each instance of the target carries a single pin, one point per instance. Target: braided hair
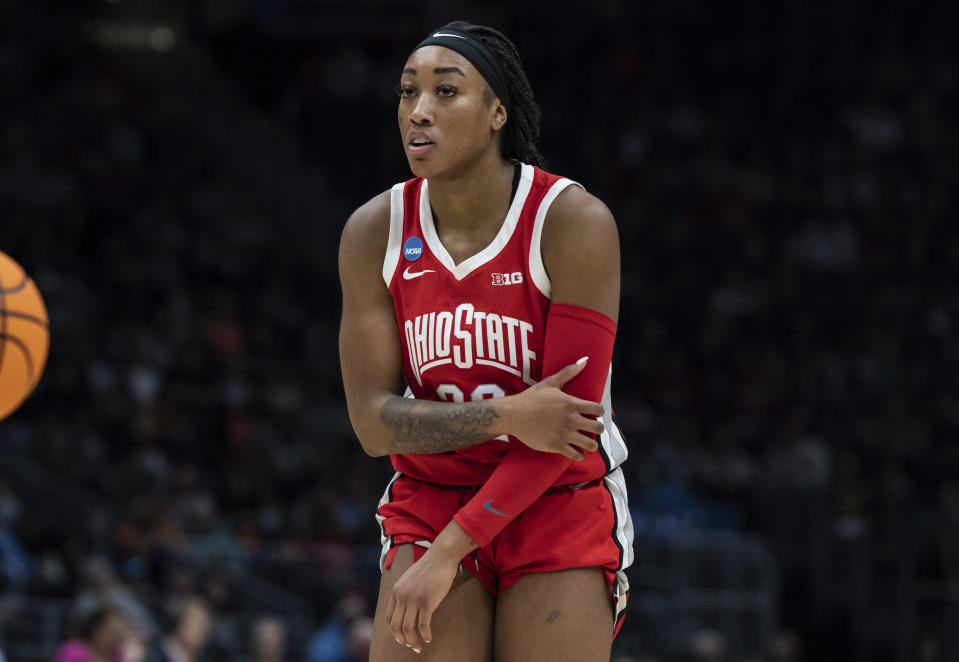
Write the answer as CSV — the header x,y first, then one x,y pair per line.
x,y
518,139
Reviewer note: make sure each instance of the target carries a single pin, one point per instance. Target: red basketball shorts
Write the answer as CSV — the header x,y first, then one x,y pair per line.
x,y
567,527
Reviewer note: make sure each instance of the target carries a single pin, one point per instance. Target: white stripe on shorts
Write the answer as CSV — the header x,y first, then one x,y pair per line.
x,y
623,533
385,539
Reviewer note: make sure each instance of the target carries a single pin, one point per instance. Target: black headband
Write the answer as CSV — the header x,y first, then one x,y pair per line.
x,y
477,53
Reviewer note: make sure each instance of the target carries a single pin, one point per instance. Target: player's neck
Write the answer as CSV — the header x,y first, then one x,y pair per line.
x,y
476,200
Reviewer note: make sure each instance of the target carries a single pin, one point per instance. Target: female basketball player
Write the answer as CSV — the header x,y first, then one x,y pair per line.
x,y
492,287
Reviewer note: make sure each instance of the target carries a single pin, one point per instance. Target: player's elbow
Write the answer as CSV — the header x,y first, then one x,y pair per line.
x,y
373,447
365,415
373,438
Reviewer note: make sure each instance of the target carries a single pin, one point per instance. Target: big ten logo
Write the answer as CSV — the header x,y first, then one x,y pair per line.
x,y
514,278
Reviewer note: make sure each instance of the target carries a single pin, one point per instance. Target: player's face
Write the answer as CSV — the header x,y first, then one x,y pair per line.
x,y
447,117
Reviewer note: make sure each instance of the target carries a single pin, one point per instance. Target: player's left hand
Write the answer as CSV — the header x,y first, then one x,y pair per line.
x,y
416,595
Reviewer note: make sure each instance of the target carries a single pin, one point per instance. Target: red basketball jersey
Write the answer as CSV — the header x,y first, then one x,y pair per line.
x,y
476,329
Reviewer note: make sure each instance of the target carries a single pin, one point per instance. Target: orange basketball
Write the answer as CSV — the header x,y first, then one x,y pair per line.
x,y
24,335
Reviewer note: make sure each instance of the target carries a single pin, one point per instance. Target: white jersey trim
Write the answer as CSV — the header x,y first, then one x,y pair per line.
x,y
467,266
392,257
611,440
537,271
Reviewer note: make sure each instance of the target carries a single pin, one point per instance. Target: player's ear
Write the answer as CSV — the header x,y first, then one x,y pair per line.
x,y
499,115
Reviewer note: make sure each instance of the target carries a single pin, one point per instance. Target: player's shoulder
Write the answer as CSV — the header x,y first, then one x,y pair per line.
x,y
578,218
367,229
370,218
577,206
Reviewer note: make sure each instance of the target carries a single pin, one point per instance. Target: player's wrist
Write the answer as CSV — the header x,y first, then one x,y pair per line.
x,y
506,411
452,544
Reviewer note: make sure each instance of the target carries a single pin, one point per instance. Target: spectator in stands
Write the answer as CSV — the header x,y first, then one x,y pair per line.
x,y
186,631
928,648
102,586
100,638
359,636
785,647
331,643
268,640
708,646
15,564
134,646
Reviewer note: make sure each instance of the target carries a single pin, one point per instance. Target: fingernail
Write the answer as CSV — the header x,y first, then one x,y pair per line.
x,y
582,360
415,650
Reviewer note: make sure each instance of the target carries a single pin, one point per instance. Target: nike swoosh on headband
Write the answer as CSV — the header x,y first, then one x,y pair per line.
x,y
447,34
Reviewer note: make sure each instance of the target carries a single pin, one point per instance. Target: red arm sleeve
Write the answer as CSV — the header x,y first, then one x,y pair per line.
x,y
524,474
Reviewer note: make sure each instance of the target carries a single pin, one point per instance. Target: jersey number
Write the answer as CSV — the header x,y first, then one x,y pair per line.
x,y
452,392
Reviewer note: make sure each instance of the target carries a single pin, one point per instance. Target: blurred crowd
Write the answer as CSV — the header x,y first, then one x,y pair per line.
x,y
118,628
782,175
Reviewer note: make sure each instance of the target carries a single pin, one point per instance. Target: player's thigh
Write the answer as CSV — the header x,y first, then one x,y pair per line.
x,y
462,625
559,616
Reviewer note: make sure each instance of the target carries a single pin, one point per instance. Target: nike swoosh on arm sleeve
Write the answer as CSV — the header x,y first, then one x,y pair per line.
x,y
524,474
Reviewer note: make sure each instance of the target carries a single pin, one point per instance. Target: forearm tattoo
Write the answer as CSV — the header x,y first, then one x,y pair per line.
x,y
436,427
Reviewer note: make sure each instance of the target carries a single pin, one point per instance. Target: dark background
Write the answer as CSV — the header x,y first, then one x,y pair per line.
x,y
175,176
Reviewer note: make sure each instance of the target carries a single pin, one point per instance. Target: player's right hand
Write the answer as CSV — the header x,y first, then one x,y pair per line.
x,y
552,421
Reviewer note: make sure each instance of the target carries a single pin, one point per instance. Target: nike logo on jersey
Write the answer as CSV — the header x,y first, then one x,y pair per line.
x,y
489,506
410,275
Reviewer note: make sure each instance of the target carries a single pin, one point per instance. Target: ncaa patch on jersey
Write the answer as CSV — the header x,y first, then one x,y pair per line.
x,y
413,249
